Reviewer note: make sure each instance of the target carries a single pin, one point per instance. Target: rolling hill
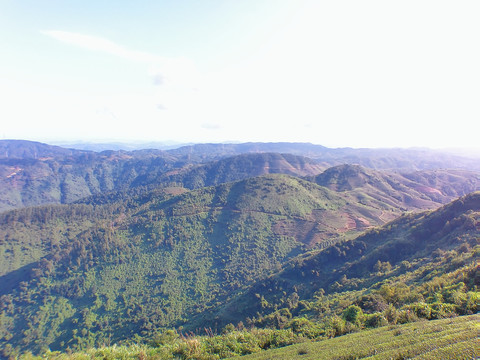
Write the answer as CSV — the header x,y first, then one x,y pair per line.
x,y
425,189
62,176
85,274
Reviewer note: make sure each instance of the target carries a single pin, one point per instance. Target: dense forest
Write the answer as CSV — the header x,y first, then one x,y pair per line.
x,y
230,255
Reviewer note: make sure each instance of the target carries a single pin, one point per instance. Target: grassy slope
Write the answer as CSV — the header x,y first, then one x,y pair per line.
x,y
455,338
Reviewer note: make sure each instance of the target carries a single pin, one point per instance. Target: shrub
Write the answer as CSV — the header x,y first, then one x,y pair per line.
x,y
421,310
406,316
353,314
391,314
232,344
335,326
382,267
167,337
375,320
441,310
228,328
192,348
472,303
304,327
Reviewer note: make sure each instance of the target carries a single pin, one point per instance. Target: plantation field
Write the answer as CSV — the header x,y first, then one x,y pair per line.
x,y
455,338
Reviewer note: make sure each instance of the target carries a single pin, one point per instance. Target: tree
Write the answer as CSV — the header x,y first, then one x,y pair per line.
x,y
391,314
353,314
382,267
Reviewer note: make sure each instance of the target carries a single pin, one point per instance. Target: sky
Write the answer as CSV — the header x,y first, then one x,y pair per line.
x,y
336,73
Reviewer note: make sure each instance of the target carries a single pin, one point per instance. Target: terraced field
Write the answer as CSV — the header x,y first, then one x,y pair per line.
x,y
456,338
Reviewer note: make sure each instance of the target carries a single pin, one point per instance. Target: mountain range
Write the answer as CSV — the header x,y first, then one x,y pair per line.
x,y
33,173
103,248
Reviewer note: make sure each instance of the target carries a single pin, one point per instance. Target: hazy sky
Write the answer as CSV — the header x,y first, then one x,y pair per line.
x,y
337,73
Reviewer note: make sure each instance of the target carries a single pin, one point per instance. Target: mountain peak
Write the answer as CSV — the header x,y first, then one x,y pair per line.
x,y
24,149
345,177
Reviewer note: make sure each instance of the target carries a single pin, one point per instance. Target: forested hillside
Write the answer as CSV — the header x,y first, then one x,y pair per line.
x,y
260,251
154,261
410,261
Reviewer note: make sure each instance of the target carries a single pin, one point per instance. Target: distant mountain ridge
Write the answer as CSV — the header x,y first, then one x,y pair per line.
x,y
23,149
33,173
381,158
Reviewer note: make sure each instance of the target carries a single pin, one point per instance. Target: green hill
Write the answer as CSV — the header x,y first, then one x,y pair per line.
x,y
118,269
63,176
241,167
76,276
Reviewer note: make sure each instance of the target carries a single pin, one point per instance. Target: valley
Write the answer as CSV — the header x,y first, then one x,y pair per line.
x,y
290,242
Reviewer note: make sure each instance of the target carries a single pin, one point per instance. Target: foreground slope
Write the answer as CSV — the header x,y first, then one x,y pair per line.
x,y
455,338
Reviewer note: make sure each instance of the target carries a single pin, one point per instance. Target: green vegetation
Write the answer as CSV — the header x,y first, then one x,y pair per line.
x,y
51,175
405,263
103,274
115,270
455,338
231,269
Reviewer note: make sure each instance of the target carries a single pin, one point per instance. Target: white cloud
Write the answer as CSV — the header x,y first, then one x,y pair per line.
x,y
178,71
96,43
